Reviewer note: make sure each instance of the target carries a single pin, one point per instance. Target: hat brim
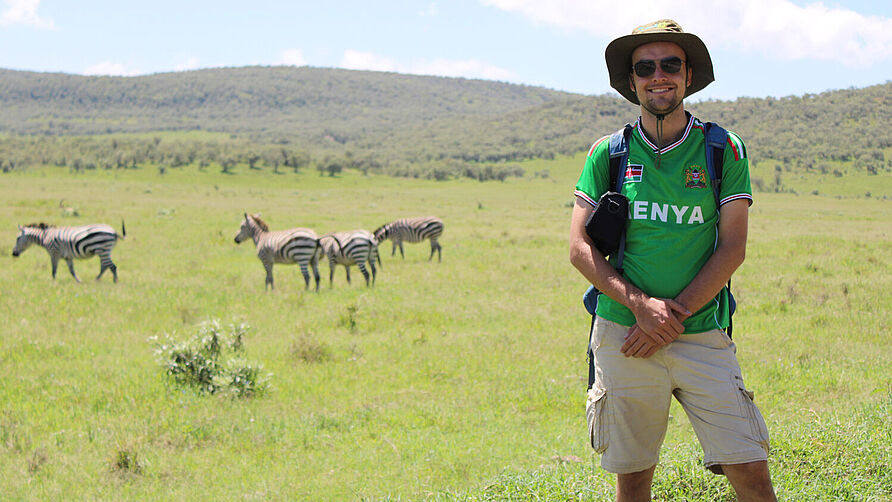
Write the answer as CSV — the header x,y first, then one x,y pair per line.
x,y
619,60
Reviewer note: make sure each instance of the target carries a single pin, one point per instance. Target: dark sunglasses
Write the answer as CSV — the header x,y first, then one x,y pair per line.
x,y
647,67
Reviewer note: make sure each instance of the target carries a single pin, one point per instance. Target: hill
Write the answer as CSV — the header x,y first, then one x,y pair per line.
x,y
400,124
266,103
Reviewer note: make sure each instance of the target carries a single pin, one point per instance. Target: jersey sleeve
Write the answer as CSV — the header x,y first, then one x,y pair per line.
x,y
593,180
735,172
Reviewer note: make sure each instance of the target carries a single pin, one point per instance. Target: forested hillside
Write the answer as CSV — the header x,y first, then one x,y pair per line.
x,y
329,119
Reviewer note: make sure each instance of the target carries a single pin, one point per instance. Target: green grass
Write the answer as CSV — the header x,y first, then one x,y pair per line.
x,y
456,380
833,458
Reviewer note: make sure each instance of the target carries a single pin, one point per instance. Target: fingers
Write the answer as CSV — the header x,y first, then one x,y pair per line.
x,y
660,319
681,309
660,336
637,344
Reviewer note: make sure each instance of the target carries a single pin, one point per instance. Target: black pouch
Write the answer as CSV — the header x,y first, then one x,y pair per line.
x,y
605,225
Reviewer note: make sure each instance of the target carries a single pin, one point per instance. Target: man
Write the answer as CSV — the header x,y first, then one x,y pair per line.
x,y
660,326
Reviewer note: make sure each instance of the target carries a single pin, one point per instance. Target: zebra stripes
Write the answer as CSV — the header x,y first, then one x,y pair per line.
x,y
70,243
412,230
357,247
297,245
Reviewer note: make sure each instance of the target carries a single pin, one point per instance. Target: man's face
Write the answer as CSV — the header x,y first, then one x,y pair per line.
x,y
661,91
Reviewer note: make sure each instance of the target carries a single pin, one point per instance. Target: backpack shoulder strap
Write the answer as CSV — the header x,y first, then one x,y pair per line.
x,y
716,138
619,159
618,149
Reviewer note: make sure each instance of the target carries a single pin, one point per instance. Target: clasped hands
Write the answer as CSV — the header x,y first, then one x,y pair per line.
x,y
658,324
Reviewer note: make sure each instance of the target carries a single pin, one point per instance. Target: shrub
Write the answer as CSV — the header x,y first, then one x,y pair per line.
x,y
210,361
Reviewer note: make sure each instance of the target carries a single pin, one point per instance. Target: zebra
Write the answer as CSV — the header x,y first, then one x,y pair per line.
x,y
297,245
351,248
413,230
72,242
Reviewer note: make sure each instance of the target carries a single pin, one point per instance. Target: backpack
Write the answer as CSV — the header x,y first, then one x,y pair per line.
x,y
618,149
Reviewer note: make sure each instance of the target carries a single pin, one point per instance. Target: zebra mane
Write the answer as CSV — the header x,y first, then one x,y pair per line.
x,y
40,226
260,223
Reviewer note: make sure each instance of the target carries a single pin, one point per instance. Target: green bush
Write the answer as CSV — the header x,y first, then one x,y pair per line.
x,y
210,361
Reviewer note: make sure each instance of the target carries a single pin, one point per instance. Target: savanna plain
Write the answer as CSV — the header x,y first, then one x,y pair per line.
x,y
456,380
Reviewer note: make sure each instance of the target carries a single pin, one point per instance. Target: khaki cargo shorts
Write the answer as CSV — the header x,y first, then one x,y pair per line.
x,y
628,406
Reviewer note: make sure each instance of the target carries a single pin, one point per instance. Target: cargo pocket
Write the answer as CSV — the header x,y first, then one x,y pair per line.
x,y
596,415
758,429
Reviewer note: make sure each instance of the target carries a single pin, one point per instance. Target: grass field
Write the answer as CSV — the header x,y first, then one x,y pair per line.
x,y
460,380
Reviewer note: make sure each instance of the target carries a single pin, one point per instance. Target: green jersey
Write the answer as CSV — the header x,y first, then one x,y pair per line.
x,y
672,225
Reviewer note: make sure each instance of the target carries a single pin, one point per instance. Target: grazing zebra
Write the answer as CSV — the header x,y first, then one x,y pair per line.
x,y
351,248
297,245
413,230
72,242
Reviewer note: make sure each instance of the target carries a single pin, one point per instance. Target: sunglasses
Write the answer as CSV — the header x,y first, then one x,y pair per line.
x,y
647,67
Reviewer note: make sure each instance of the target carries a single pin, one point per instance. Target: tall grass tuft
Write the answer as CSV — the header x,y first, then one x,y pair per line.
x,y
36,461
210,361
348,319
126,460
308,350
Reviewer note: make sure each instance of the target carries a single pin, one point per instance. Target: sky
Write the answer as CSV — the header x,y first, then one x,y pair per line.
x,y
759,48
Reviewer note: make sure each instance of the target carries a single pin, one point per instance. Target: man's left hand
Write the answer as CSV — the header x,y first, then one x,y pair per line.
x,y
639,344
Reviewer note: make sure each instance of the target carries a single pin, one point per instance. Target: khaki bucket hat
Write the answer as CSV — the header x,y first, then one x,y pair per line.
x,y
619,55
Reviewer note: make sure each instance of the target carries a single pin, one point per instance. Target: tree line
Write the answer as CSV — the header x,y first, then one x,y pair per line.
x,y
286,119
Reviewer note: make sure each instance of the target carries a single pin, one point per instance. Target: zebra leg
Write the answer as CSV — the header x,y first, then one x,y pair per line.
x,y
315,264
393,253
374,272
306,273
71,269
401,250
269,276
331,270
439,251
55,261
105,262
365,273
347,268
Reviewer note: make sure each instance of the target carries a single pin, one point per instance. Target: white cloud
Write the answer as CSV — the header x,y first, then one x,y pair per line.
x,y
189,64
468,68
24,12
430,11
779,29
358,60
292,57
110,68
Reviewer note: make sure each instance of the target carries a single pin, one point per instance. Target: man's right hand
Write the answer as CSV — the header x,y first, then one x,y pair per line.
x,y
658,318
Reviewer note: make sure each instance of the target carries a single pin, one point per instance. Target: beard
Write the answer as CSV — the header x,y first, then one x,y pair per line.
x,y
662,105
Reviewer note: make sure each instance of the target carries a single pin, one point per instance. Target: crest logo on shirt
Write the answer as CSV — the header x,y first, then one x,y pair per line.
x,y
695,177
633,173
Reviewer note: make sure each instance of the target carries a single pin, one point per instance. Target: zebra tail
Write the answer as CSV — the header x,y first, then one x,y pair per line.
x,y
123,229
320,252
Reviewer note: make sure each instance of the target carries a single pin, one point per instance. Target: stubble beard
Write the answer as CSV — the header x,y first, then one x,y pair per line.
x,y
660,106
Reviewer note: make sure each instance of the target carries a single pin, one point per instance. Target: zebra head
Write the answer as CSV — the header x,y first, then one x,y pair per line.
x,y
252,227
381,232
28,235
244,231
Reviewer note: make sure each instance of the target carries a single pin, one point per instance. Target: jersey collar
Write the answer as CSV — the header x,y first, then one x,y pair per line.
x,y
687,131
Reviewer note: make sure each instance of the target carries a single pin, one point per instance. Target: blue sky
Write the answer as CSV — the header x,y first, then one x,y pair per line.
x,y
759,47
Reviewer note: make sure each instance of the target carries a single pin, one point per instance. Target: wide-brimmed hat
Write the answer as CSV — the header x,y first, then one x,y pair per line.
x,y
619,55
